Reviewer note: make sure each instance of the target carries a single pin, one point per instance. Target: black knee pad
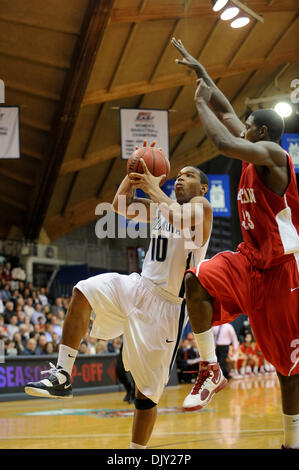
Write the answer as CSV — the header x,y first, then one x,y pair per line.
x,y
145,404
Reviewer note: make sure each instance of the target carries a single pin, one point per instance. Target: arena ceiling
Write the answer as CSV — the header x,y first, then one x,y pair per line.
x,y
70,65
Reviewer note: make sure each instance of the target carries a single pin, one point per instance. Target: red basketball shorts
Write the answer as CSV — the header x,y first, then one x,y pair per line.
x,y
269,297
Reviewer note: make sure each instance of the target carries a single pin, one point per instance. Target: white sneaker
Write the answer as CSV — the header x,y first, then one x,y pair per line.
x,y
210,380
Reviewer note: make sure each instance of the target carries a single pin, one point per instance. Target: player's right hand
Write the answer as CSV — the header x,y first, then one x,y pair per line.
x,y
188,59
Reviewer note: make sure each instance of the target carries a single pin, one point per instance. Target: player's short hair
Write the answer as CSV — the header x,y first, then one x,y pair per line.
x,y
270,119
203,177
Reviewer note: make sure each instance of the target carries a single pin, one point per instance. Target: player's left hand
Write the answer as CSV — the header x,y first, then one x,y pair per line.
x,y
203,91
145,181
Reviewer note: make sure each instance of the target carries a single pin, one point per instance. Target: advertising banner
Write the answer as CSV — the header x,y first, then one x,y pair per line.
x,y
89,371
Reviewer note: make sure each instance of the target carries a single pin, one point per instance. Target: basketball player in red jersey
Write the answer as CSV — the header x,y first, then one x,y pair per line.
x,y
261,278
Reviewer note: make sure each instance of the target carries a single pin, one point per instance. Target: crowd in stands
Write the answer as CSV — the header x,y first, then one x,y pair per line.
x,y
31,320
237,352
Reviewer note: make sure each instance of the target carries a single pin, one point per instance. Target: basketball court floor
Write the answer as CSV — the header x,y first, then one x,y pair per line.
x,y
245,415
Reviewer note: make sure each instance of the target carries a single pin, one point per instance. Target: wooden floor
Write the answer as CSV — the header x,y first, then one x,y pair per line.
x,y
245,415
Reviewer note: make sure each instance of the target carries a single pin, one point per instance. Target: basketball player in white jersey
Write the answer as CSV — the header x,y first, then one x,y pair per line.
x,y
147,309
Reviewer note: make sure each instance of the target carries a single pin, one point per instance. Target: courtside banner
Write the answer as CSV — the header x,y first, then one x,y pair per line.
x,y
89,371
9,131
290,143
137,125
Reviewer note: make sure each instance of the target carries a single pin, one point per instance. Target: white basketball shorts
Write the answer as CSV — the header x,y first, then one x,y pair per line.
x,y
150,324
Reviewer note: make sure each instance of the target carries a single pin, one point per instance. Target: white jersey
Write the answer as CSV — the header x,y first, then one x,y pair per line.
x,y
168,257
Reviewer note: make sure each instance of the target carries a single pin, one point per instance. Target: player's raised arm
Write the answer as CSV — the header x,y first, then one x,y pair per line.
x,y
125,203
218,102
258,150
192,214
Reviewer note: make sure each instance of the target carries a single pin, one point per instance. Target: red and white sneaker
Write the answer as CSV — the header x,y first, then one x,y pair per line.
x,y
210,380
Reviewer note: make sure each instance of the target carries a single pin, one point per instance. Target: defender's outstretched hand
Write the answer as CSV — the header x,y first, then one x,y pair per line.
x,y
203,91
188,59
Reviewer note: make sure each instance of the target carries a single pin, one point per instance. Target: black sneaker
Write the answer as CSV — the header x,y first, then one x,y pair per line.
x,y
57,385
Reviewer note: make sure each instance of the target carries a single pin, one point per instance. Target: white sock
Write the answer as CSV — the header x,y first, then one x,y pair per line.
x,y
133,445
291,431
66,357
206,346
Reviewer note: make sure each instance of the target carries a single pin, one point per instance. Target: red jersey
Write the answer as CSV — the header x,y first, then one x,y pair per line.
x,y
269,223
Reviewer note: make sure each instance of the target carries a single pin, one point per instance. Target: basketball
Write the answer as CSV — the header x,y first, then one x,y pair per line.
x,y
155,160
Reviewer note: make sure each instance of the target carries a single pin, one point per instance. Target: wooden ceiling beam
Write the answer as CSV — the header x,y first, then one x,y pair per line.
x,y
24,22
93,28
31,91
31,153
62,65
16,177
178,80
93,158
168,12
12,202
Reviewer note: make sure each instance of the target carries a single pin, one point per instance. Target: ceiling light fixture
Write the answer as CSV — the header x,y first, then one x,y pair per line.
x,y
218,4
240,22
283,109
229,13
233,12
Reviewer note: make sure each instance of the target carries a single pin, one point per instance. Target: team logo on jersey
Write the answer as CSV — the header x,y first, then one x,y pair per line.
x,y
246,195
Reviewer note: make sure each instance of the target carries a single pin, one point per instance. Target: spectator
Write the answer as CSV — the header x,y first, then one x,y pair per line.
x,y
49,330
1,306
5,293
19,302
30,347
58,306
21,288
34,298
244,354
28,307
224,336
20,314
7,271
18,343
60,317
12,327
102,347
36,314
83,347
8,311
43,299
26,293
56,327
3,333
41,343
10,348
2,325
56,342
187,362
91,344
49,348
24,332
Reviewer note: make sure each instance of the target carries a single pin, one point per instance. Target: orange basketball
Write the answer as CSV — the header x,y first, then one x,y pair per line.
x,y
155,161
